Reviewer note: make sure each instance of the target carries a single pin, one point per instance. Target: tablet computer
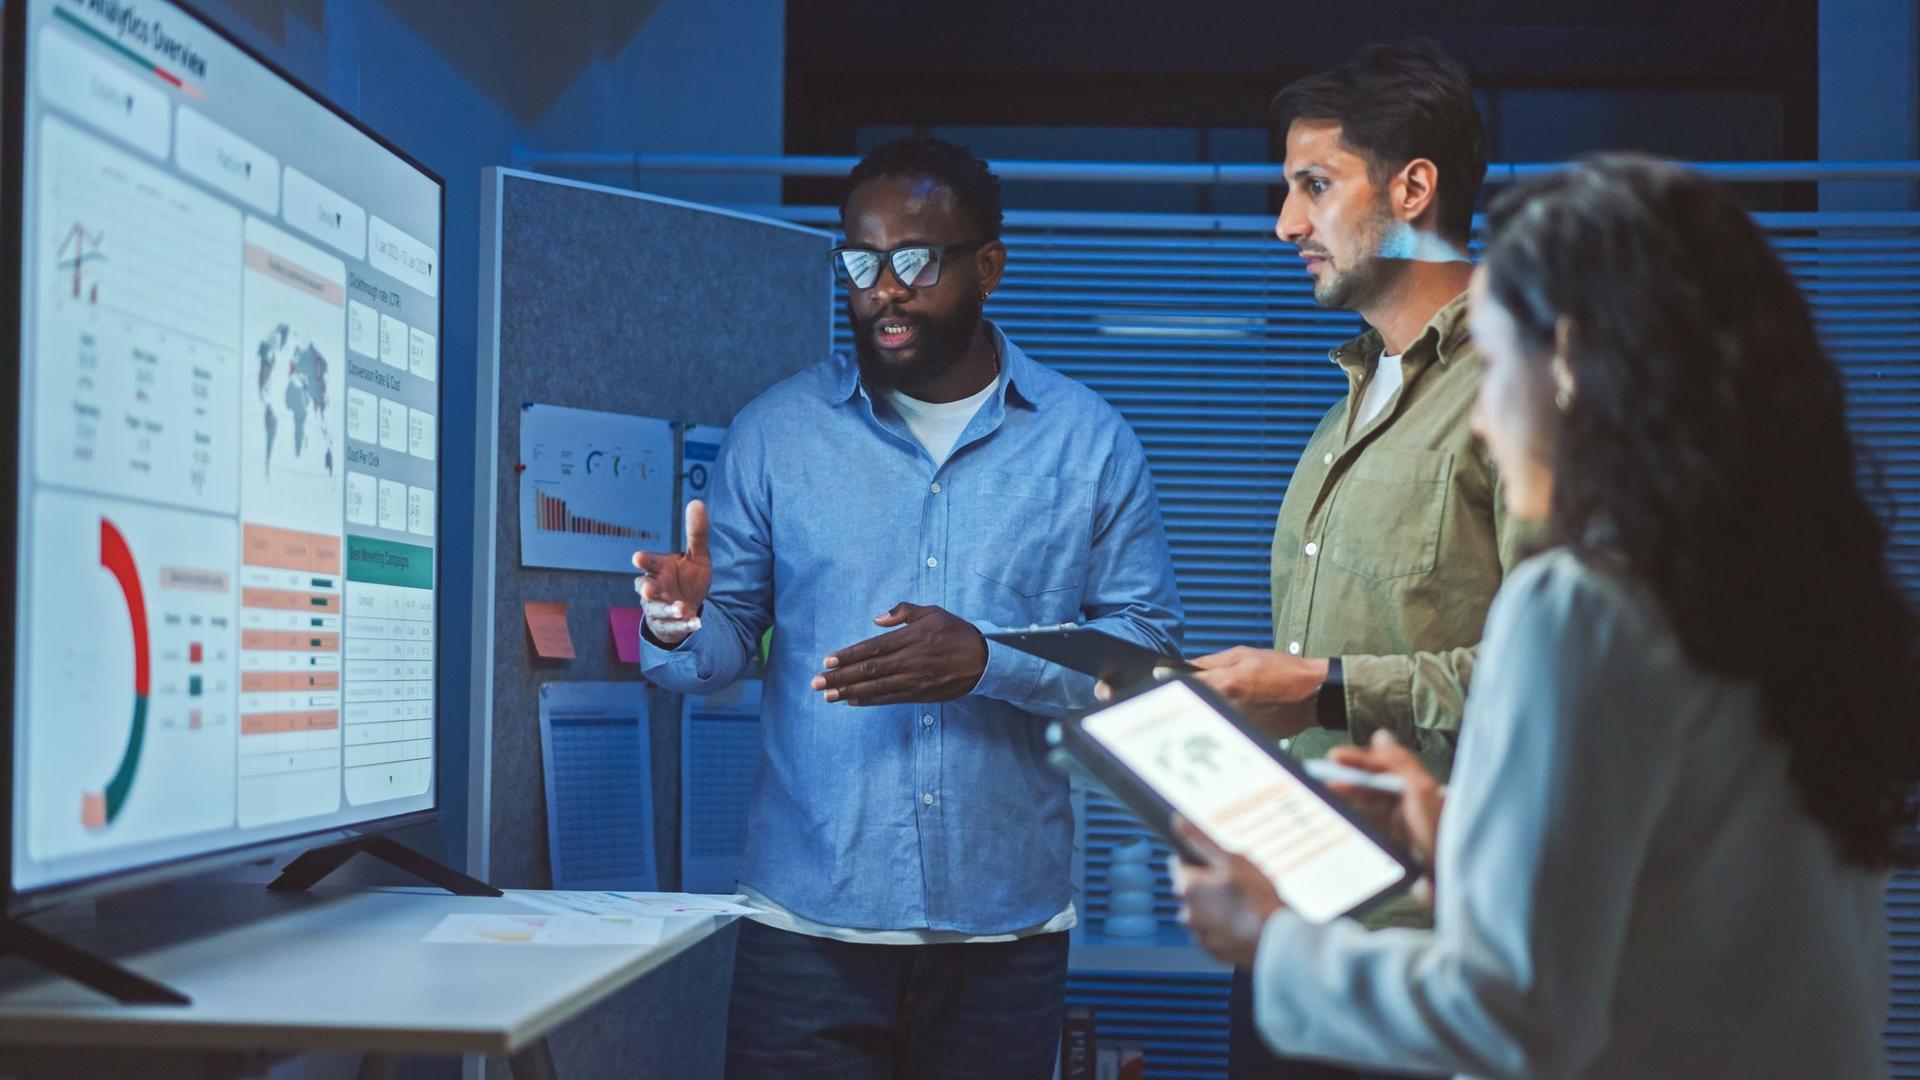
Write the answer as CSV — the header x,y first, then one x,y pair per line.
x,y
1090,651
1174,747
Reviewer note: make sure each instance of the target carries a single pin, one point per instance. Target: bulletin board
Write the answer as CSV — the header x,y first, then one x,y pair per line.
x,y
620,302
606,299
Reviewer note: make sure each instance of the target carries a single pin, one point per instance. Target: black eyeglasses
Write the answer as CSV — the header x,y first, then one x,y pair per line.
x,y
916,266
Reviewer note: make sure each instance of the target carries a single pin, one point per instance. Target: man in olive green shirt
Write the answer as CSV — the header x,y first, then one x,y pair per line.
x,y
1392,537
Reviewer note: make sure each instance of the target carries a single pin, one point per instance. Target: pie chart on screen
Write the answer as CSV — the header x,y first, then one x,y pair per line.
x,y
98,809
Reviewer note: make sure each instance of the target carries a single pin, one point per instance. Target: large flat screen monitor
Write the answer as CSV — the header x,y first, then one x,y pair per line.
x,y
225,467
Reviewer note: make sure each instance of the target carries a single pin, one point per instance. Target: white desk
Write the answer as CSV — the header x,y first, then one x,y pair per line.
x,y
343,972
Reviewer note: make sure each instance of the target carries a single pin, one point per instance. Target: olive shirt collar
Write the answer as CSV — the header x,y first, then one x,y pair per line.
x,y
1443,339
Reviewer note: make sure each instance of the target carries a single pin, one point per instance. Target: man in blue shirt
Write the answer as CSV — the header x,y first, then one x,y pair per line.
x,y
882,512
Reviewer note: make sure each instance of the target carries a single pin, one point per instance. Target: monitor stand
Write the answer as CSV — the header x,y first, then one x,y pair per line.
x,y
307,870
95,972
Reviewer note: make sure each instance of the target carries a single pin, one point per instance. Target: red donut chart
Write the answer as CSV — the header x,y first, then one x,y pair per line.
x,y
98,809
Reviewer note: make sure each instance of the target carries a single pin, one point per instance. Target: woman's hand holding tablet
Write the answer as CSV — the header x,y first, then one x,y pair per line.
x,y
1225,899
1175,748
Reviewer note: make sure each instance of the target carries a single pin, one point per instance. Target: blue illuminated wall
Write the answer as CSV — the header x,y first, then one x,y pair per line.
x,y
1869,96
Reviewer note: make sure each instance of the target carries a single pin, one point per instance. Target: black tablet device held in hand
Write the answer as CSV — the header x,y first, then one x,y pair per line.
x,y
1117,661
1176,748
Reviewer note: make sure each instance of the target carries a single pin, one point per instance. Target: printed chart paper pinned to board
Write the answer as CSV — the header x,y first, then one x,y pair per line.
x,y
719,756
547,622
596,754
595,487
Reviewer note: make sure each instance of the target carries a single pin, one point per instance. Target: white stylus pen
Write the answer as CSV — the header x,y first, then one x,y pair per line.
x,y
1332,772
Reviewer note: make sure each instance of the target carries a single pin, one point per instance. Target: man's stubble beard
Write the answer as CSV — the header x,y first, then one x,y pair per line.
x,y
1351,289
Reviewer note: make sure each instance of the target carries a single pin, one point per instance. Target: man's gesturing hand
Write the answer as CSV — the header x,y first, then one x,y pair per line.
x,y
938,656
673,586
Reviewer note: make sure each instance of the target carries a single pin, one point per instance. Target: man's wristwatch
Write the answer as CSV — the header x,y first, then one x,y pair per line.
x,y
1330,702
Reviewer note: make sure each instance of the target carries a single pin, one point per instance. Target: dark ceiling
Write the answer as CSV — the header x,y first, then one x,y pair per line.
x,y
1217,62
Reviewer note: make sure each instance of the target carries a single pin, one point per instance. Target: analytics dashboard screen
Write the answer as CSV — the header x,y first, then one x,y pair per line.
x,y
227,494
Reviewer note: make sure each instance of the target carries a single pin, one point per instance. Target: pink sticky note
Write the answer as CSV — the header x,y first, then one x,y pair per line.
x,y
626,631
547,622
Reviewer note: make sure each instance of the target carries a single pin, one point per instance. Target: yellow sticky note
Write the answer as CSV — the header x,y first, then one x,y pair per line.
x,y
547,622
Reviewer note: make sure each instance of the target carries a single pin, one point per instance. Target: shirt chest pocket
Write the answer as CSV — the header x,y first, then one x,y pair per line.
x,y
1028,535
1386,517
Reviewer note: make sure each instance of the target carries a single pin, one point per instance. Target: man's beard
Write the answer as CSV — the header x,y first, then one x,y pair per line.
x,y
1372,270
938,347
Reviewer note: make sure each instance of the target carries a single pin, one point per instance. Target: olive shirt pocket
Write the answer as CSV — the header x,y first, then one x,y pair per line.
x,y
1391,509
1030,535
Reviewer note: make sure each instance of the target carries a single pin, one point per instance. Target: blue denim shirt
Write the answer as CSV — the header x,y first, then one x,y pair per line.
x,y
826,512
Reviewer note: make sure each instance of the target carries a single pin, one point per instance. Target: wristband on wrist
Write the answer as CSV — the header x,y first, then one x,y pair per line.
x,y
1330,702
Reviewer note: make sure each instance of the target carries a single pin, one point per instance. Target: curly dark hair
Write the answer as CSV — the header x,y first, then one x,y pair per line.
x,y
1396,103
975,188
1707,430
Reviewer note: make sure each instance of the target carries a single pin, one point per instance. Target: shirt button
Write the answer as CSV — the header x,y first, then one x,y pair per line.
x,y
1293,647
926,800
927,720
936,489
1312,549
931,561
1328,460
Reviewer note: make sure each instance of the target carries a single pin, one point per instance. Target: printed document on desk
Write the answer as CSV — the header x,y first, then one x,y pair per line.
x,y
597,902
545,930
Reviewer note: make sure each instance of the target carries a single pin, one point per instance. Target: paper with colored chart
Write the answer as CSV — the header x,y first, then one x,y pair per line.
x,y
595,487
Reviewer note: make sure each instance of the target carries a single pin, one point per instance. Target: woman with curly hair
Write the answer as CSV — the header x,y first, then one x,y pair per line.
x,y
1687,754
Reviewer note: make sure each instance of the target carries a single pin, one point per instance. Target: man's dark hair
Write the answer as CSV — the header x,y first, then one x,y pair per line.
x,y
974,187
1395,103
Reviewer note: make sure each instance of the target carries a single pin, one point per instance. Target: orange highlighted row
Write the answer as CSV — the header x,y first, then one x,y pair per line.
x,y
263,682
1260,802
286,549
289,600
276,723
1282,865
289,641
1275,842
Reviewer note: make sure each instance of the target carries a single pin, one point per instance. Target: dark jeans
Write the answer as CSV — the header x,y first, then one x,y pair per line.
x,y
813,1007
1249,1059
